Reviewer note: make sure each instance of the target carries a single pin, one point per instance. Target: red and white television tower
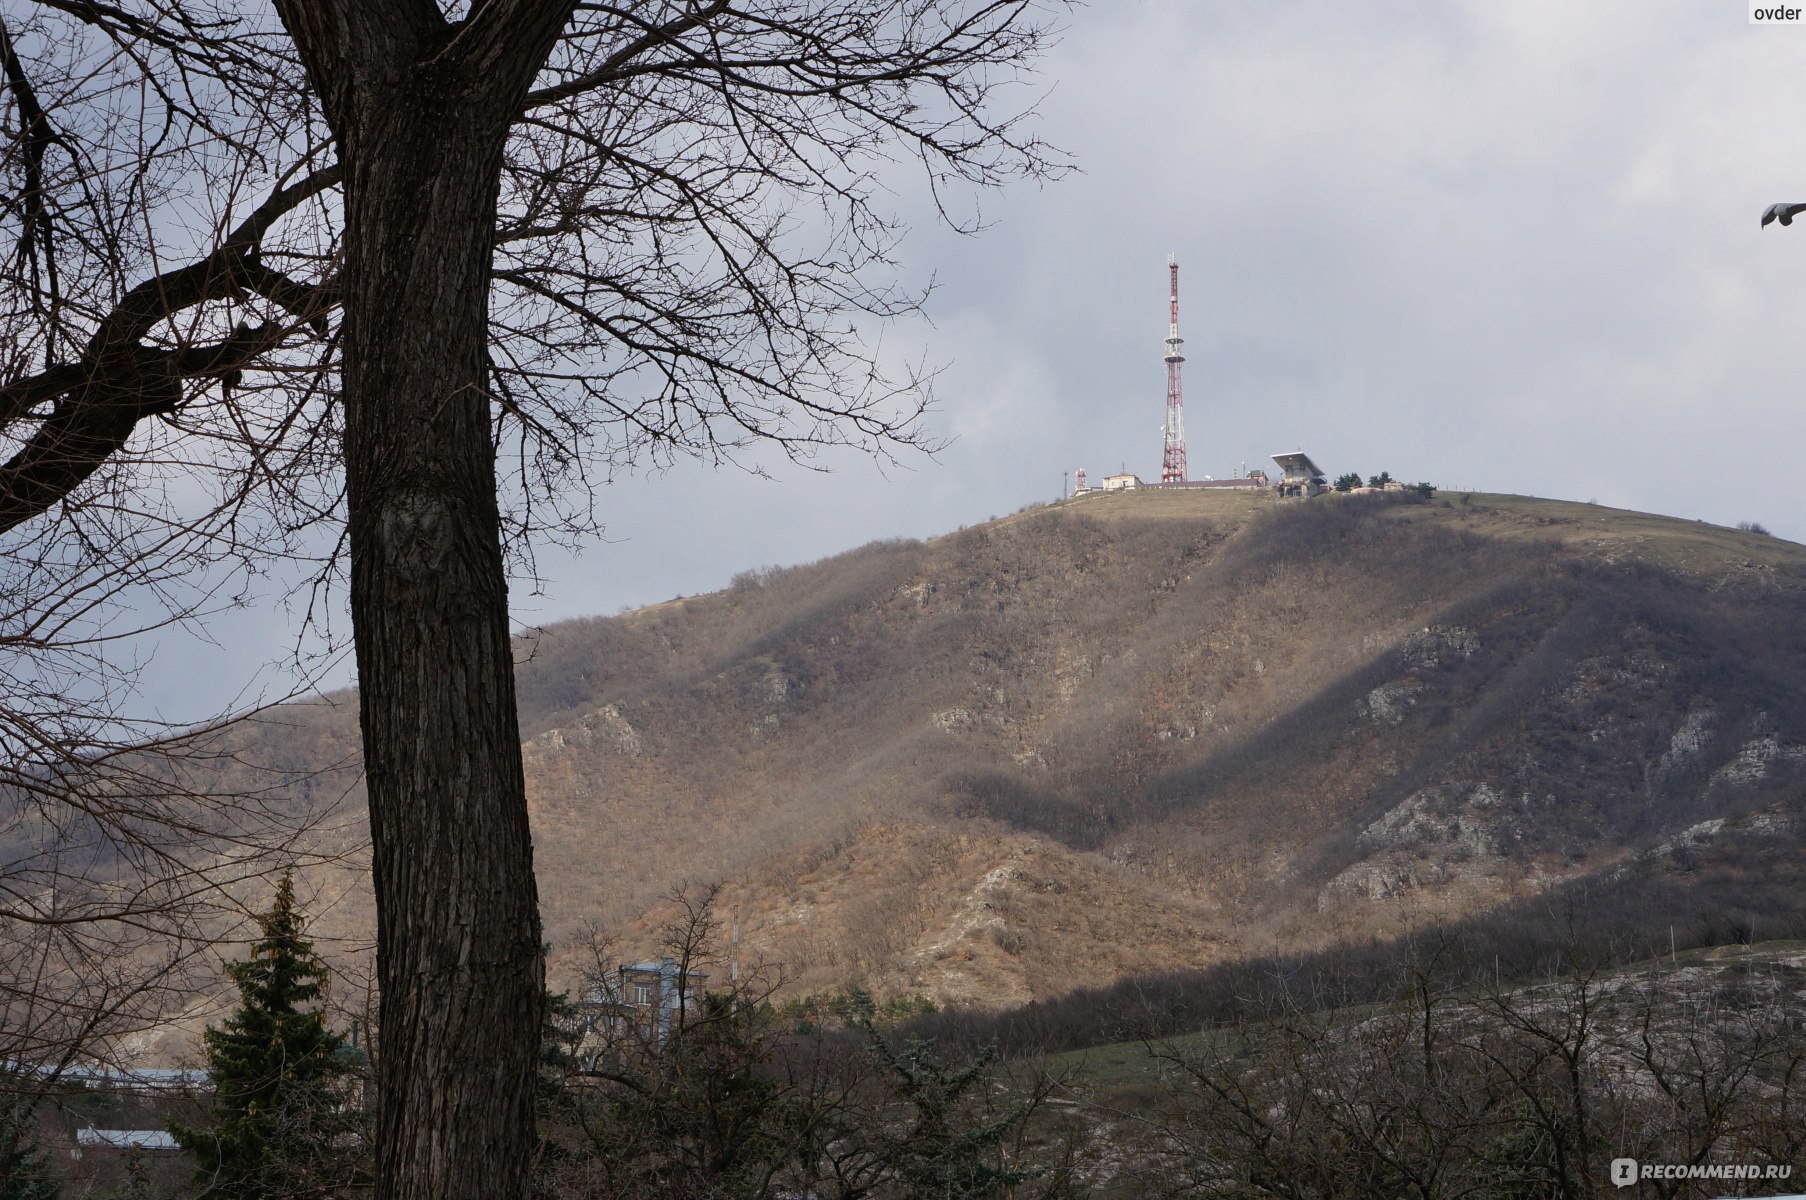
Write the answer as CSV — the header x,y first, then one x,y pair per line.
x,y
1172,463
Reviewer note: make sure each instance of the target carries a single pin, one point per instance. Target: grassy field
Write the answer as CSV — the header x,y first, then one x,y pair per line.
x,y
1592,530
1123,1074
1159,504
1696,547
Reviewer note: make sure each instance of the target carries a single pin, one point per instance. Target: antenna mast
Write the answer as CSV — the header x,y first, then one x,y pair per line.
x,y
1172,462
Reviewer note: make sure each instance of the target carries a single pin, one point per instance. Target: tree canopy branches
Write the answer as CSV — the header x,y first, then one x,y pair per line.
x,y
689,246
352,261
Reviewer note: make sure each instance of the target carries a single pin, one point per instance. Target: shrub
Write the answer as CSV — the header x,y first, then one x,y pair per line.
x,y
739,1098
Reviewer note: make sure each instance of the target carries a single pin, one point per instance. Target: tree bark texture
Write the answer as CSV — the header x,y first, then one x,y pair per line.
x,y
457,912
420,111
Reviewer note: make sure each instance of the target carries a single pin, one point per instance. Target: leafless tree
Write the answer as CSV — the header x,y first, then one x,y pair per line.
x,y
730,1094
383,248
119,862
1463,1086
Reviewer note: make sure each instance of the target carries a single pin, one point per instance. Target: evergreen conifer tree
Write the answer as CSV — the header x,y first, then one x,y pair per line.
x,y
945,1147
278,1123
24,1175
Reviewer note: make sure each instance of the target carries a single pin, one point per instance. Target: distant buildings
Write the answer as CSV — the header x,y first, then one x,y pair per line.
x,y
645,998
1250,482
114,1080
1299,477
152,1140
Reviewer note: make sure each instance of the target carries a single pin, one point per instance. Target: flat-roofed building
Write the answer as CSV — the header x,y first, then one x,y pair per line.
x,y
1246,483
125,1139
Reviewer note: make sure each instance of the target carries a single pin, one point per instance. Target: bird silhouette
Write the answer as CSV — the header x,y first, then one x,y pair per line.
x,y
1784,213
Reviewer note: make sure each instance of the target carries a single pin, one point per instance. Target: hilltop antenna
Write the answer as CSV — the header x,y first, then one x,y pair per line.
x,y
1172,462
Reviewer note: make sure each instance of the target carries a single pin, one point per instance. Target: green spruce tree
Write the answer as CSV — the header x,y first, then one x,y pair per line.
x,y
279,1122
24,1174
936,1133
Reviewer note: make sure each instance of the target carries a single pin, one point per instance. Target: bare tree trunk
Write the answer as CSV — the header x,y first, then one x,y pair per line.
x,y
458,955
458,922
420,111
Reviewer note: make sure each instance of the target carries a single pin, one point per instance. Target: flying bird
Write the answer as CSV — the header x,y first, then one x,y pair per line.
x,y
1785,213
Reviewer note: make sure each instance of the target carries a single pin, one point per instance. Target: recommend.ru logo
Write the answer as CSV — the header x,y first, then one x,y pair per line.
x,y
1627,1171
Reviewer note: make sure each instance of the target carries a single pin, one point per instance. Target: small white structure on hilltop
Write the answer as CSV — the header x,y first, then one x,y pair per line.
x,y
1126,482
1301,476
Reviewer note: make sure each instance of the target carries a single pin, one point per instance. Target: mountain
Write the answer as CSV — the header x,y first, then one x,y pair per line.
x,y
1146,731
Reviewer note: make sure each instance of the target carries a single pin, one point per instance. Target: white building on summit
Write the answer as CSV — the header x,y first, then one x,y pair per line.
x,y
1300,476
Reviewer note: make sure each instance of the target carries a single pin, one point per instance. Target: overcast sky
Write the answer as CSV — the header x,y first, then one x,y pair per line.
x,y
1509,245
